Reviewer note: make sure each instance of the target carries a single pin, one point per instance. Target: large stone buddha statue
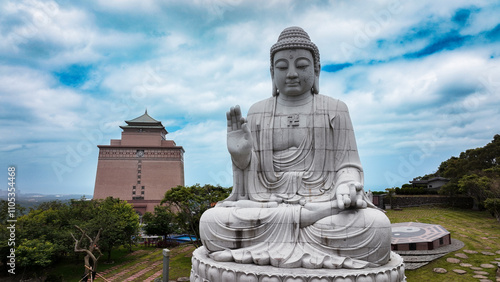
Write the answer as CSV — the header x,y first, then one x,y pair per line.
x,y
298,198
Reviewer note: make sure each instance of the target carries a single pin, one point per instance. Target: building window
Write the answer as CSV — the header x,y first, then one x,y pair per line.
x,y
413,246
139,176
138,182
142,192
441,241
133,192
142,187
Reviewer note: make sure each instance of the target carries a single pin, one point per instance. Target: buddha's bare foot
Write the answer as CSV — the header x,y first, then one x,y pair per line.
x,y
316,207
222,256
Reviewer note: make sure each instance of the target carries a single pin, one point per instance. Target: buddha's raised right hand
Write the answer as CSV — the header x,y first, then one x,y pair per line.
x,y
239,138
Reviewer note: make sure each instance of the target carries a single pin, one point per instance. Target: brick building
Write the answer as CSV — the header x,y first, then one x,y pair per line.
x,y
141,166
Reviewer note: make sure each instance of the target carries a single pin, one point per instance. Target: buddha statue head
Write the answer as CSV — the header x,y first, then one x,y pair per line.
x,y
295,39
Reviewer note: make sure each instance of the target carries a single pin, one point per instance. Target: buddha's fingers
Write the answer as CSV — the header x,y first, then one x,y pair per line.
x,y
233,118
340,203
347,201
242,121
246,130
358,186
360,203
237,117
229,121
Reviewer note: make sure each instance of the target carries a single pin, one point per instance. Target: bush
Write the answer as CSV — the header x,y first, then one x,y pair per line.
x,y
493,206
409,190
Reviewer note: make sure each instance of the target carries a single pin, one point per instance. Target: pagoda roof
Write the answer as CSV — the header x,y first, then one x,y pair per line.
x,y
144,121
145,118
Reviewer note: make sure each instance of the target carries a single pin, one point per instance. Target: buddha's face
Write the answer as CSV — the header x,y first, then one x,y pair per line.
x,y
293,71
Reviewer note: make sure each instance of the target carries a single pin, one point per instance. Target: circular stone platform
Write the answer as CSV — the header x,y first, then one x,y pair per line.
x,y
413,236
205,269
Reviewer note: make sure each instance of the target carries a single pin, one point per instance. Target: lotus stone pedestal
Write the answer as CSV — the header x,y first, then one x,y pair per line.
x,y
205,269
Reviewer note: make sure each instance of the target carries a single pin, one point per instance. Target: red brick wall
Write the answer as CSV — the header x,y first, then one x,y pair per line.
x,y
117,172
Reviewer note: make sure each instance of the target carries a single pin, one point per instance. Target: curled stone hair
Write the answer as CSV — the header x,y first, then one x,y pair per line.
x,y
296,38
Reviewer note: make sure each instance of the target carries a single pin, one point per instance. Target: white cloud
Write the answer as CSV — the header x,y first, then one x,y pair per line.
x,y
128,6
484,20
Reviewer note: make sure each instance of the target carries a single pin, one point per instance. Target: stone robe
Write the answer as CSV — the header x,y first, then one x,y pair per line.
x,y
309,173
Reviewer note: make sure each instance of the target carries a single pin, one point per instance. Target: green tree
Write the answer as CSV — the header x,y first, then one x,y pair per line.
x,y
472,160
35,254
190,202
162,222
4,232
476,186
51,224
493,205
450,189
119,223
48,222
390,193
476,172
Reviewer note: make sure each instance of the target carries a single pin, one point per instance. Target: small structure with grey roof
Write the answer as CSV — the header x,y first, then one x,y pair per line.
x,y
434,183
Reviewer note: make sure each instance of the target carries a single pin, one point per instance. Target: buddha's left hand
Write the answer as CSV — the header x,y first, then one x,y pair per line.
x,y
350,194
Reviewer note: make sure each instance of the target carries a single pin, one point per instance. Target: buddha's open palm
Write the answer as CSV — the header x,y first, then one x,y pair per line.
x,y
239,138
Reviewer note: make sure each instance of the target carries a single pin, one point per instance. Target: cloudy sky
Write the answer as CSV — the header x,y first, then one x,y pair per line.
x,y
421,79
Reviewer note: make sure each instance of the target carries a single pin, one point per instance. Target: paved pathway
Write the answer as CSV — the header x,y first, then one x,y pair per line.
x,y
140,273
154,276
417,259
479,272
134,272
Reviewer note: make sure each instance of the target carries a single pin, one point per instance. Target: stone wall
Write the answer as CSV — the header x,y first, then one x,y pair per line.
x,y
402,201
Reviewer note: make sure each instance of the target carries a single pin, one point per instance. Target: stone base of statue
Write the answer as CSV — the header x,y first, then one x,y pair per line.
x,y
205,269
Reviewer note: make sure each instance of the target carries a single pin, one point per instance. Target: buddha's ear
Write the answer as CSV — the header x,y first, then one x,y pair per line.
x,y
275,89
315,88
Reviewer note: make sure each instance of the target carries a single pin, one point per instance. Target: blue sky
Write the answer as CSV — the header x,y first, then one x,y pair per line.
x,y
421,79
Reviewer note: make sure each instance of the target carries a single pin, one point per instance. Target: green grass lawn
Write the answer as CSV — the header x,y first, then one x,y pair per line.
x,y
477,229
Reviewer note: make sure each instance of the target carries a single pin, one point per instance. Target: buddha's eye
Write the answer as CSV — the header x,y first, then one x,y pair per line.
x,y
302,63
281,65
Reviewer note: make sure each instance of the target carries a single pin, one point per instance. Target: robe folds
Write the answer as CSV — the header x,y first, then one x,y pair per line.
x,y
327,157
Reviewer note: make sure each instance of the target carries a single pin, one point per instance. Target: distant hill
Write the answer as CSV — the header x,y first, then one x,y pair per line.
x,y
30,200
